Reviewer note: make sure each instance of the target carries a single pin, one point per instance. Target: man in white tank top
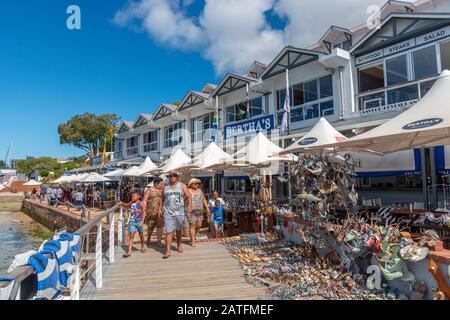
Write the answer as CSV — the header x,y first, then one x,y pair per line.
x,y
176,200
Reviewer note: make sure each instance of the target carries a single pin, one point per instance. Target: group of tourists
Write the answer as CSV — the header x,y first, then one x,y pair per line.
x,y
56,196
165,206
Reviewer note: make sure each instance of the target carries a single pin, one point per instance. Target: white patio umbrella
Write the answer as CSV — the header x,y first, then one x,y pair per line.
x,y
32,183
77,177
211,158
323,133
93,178
114,174
260,151
177,161
60,180
426,124
137,171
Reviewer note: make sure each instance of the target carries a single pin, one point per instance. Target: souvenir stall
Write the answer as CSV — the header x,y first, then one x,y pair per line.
x,y
320,253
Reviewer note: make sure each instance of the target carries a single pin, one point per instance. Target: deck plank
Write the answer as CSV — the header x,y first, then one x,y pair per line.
x,y
207,272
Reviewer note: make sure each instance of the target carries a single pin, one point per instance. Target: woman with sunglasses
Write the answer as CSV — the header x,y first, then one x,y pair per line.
x,y
199,204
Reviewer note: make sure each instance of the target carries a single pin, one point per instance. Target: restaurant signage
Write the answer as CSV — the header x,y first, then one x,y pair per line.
x,y
250,127
421,124
405,45
307,141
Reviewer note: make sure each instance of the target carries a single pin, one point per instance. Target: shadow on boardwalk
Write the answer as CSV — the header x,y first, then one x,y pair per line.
x,y
207,272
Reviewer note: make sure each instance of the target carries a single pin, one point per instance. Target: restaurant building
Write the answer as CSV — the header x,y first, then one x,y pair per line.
x,y
356,78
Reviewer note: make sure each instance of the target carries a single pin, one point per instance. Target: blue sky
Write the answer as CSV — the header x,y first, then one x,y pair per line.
x,y
48,73
130,56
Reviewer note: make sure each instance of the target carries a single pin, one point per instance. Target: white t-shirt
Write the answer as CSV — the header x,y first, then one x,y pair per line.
x,y
212,202
78,196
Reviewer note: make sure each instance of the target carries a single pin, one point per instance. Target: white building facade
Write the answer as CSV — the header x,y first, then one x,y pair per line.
x,y
356,78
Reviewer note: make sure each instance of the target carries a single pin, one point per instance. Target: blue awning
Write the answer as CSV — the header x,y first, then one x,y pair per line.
x,y
442,157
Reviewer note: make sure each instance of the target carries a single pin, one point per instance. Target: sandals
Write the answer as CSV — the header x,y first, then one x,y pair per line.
x,y
165,257
126,256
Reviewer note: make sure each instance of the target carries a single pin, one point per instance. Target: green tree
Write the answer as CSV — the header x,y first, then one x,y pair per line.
x,y
44,173
2,164
87,131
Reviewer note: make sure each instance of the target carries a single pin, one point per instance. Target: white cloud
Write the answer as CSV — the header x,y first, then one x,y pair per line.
x,y
234,33
165,21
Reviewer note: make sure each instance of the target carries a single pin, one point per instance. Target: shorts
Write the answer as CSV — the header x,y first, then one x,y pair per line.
x,y
134,227
153,221
78,203
195,217
219,225
173,223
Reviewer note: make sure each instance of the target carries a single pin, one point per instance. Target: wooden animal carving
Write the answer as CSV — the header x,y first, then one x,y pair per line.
x,y
433,267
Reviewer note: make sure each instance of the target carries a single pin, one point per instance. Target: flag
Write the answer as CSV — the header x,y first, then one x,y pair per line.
x,y
287,106
248,104
215,121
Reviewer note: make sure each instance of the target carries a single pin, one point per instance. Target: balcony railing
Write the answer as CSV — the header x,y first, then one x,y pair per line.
x,y
151,147
392,98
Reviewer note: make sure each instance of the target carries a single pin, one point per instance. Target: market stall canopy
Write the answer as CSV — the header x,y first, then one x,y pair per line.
x,y
32,183
323,133
212,158
177,161
77,177
60,180
137,171
94,177
426,124
260,151
114,174
146,167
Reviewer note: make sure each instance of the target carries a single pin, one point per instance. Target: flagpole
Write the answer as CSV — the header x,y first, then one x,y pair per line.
x,y
289,113
248,103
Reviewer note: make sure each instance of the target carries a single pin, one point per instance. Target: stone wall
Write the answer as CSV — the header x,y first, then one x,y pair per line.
x,y
51,217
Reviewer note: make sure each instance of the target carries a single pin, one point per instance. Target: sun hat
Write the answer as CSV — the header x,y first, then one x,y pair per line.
x,y
192,181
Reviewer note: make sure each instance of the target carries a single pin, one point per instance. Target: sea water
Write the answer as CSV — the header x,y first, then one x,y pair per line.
x,y
15,238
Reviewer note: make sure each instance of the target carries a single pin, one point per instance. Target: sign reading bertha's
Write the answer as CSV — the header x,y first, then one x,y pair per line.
x,y
250,127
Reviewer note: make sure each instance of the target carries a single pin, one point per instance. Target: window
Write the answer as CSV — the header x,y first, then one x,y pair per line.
x,y
396,70
281,97
132,146
151,141
173,135
312,112
326,87
371,78
238,185
299,95
296,115
311,91
199,125
424,62
327,108
403,94
372,101
425,87
445,55
238,112
306,99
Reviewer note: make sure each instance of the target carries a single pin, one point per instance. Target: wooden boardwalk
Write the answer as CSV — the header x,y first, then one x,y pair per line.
x,y
207,272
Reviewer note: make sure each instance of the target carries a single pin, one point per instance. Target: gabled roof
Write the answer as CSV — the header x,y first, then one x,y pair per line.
x,y
193,98
332,34
164,110
209,88
400,26
125,126
256,69
143,119
232,82
290,58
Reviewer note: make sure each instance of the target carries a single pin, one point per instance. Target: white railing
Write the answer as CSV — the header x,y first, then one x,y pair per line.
x,y
89,261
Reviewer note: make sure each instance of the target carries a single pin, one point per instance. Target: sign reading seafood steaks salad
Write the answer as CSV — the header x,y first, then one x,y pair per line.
x,y
250,127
